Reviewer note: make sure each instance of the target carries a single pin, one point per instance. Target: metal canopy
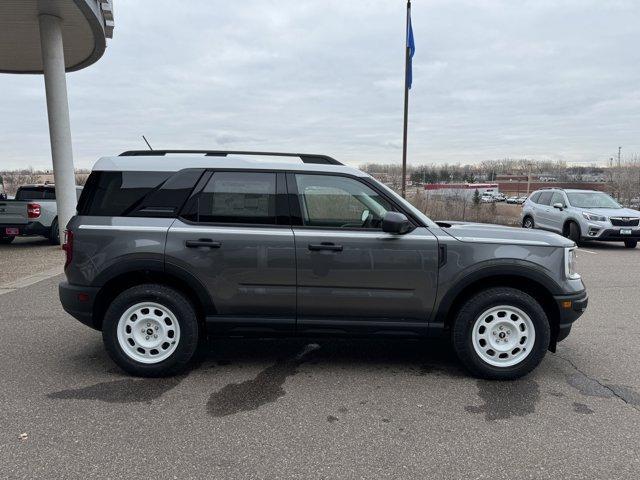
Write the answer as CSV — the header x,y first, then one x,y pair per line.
x,y
85,26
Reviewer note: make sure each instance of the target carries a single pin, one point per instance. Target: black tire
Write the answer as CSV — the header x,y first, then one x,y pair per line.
x,y
630,243
462,332
527,222
54,233
173,300
573,232
6,240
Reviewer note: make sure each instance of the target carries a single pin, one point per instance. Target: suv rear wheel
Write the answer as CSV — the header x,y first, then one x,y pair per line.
x,y
501,334
527,222
6,240
151,331
630,243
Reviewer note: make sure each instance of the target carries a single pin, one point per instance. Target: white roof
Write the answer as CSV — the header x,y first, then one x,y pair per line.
x,y
176,162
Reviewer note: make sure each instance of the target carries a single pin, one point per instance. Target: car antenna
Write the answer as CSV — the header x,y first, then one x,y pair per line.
x,y
145,141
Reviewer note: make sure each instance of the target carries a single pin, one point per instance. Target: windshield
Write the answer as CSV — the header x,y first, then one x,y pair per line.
x,y
592,200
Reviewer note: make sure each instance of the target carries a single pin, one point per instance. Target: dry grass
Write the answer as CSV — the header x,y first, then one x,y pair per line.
x,y
438,207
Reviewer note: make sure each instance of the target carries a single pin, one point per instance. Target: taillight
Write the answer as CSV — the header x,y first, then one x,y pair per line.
x,y
67,246
33,210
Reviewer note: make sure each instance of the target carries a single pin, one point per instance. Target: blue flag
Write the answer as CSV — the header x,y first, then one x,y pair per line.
x,y
412,49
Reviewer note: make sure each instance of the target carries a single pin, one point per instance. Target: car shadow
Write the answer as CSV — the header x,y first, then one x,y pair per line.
x,y
595,245
27,242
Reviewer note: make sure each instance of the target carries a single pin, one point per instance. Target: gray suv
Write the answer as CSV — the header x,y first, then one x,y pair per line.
x,y
169,248
582,215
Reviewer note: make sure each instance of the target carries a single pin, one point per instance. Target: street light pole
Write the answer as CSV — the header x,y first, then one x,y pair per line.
x,y
58,112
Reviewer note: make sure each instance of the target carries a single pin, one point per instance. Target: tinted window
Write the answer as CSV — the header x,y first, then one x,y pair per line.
x,y
236,197
334,201
36,193
545,198
117,193
169,197
534,197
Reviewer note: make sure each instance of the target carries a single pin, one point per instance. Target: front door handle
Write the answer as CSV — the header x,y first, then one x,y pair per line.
x,y
315,247
202,242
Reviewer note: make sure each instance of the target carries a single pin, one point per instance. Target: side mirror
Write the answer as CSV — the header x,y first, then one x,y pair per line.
x,y
559,206
395,222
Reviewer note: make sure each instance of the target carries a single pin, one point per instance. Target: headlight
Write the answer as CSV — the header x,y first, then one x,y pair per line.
x,y
570,264
593,217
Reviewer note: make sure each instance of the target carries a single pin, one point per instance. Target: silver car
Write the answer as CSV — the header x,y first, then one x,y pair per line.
x,y
582,215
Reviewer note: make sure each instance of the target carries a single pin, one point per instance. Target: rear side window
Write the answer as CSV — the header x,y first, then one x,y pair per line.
x,y
235,197
118,193
534,197
545,198
35,193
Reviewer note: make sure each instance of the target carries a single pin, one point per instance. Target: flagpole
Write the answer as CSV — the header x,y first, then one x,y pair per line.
x,y
406,103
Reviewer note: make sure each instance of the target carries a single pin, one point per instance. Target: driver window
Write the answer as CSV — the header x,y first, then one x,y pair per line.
x,y
557,198
339,202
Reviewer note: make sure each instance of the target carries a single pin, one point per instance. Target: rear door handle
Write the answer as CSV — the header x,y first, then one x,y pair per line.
x,y
202,242
315,247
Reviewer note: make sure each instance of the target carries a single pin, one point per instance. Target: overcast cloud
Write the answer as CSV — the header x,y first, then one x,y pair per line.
x,y
492,79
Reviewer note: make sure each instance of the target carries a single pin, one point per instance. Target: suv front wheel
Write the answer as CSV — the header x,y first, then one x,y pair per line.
x,y
501,333
151,331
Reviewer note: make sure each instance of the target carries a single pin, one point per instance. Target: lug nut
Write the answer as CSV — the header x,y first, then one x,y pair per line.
x,y
147,337
148,324
157,327
155,336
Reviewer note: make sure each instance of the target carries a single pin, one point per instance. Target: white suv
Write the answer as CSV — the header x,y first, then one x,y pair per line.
x,y
582,215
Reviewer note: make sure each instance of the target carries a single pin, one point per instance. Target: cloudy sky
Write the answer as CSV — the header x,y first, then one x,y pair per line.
x,y
492,79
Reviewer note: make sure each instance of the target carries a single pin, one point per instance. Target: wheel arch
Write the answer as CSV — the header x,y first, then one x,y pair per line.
x,y
171,276
531,282
567,222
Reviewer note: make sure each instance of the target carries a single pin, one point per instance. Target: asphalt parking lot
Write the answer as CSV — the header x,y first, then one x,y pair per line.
x,y
331,409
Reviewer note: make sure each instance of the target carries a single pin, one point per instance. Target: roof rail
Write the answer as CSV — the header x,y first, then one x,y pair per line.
x,y
305,157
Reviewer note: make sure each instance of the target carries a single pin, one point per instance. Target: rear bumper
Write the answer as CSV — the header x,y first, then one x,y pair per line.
x,y
27,229
78,302
571,307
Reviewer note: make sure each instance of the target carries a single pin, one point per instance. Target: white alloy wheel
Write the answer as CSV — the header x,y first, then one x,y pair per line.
x,y
503,336
148,332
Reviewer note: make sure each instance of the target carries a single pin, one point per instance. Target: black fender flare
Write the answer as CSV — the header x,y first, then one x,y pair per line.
x,y
490,269
155,265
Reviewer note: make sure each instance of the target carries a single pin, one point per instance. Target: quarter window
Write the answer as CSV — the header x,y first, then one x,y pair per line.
x,y
117,193
236,197
339,202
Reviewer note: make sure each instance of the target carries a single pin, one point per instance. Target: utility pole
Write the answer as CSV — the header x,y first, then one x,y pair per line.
x,y
528,178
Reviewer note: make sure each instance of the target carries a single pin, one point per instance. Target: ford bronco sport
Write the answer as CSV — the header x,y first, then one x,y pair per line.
x,y
169,247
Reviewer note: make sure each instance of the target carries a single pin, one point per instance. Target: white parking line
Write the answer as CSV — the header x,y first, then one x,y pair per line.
x,y
30,280
587,251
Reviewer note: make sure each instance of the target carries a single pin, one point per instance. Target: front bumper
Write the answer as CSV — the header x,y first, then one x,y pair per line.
x,y
571,307
610,234
78,301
